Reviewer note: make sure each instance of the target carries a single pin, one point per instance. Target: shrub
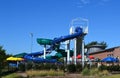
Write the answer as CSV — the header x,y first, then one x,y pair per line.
x,y
110,68
61,67
21,67
114,68
55,73
85,72
71,68
54,67
79,68
28,65
94,71
102,67
103,73
37,66
40,66
43,66
48,66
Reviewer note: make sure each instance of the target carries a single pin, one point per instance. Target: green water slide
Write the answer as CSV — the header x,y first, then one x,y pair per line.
x,y
57,55
43,41
61,52
64,54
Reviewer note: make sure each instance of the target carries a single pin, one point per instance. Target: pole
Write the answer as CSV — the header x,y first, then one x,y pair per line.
x,y
75,51
68,51
31,42
44,51
83,52
31,47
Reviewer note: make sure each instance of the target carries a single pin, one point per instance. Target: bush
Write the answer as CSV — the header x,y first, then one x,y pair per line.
x,y
71,68
94,71
61,67
43,66
28,65
55,73
102,67
103,73
110,68
85,72
78,68
21,67
48,66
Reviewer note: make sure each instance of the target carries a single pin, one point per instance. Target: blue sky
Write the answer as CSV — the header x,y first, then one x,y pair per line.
x,y
52,18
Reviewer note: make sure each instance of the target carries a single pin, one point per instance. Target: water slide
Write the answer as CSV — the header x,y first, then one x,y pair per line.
x,y
36,57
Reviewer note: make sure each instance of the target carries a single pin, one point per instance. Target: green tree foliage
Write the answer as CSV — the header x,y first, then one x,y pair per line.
x,y
103,44
2,58
2,54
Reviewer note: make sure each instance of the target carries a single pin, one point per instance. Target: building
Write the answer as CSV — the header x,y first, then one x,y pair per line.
x,y
95,48
115,52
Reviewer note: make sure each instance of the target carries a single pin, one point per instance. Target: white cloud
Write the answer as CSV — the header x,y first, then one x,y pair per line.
x,y
83,3
105,0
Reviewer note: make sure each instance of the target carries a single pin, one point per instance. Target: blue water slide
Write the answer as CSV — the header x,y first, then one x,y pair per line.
x,y
78,32
34,56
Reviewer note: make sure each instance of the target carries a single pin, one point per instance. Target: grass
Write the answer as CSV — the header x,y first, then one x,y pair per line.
x,y
13,75
36,73
51,73
95,72
33,73
113,76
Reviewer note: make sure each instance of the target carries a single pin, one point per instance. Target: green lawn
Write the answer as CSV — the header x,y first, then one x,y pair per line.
x,y
35,73
113,76
13,75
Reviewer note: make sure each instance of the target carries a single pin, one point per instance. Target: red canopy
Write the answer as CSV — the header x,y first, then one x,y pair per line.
x,y
91,57
79,56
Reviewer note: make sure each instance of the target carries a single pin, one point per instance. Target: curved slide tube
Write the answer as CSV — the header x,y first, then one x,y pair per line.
x,y
35,56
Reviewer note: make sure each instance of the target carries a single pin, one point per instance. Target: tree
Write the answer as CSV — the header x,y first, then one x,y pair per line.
x,y
103,44
2,58
2,54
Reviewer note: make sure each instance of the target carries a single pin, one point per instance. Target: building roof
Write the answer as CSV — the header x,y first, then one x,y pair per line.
x,y
100,46
109,49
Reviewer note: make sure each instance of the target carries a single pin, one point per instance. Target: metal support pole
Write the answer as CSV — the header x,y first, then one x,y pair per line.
x,y
31,47
68,51
75,51
65,60
44,51
83,52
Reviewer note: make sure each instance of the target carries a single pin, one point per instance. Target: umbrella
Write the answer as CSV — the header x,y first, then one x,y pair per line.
x,y
91,57
110,59
14,59
79,56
